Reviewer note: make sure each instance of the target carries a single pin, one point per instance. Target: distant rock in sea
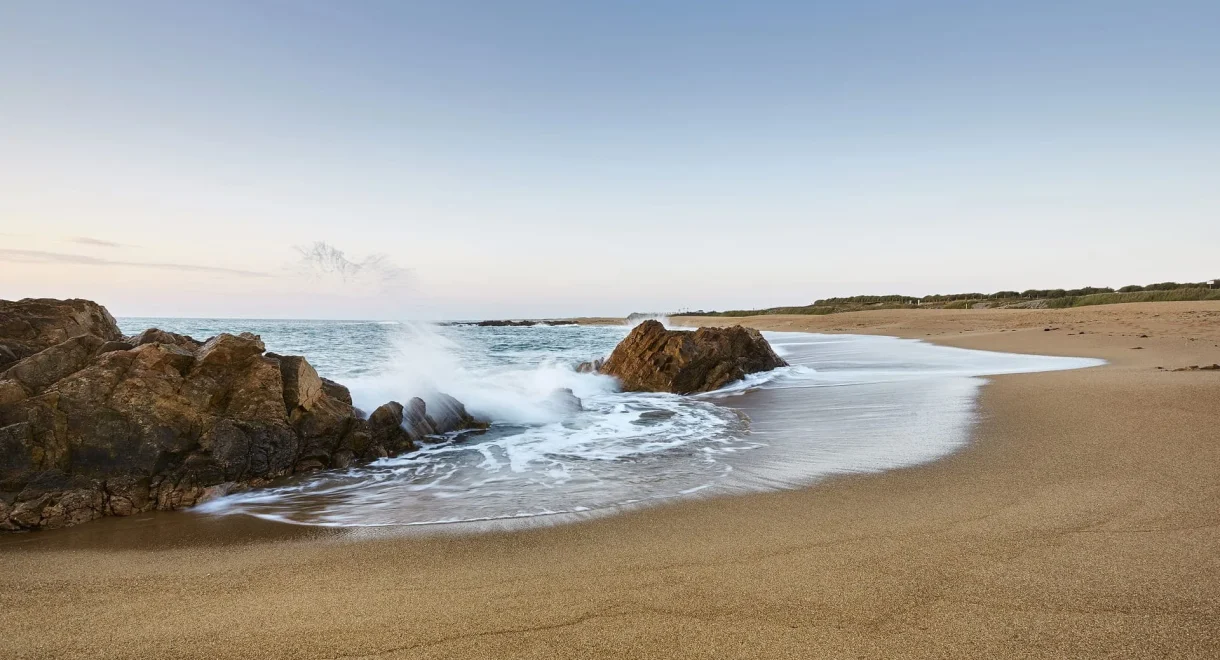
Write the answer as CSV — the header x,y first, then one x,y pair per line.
x,y
653,359
521,324
590,367
94,424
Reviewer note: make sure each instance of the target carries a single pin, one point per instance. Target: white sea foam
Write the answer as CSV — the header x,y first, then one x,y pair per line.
x,y
424,362
847,404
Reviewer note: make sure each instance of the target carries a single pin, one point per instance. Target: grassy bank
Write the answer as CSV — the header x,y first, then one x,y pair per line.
x,y
1134,296
1045,299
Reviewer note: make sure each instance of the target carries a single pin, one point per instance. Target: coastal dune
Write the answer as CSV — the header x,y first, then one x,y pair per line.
x,y
1082,521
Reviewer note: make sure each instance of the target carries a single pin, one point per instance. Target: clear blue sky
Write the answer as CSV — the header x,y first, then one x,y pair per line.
x,y
560,158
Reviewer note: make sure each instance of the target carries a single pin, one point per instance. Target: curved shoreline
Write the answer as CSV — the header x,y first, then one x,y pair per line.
x,y
1081,521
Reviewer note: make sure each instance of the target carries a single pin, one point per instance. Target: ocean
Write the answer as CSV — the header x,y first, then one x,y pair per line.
x,y
846,404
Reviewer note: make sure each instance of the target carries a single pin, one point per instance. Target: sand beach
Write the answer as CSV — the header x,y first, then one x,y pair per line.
x,y
1083,520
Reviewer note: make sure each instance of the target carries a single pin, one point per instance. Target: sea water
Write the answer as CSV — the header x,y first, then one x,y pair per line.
x,y
846,404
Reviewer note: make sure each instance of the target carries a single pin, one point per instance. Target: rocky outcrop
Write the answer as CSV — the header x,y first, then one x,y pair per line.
x,y
33,324
653,359
522,324
98,425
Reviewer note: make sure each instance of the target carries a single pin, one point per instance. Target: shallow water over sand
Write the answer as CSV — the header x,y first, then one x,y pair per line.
x,y
847,404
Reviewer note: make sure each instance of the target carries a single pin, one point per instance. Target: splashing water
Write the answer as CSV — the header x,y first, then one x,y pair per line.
x,y
847,404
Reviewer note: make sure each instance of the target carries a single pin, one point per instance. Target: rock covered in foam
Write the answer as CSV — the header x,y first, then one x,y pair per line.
x,y
564,400
653,359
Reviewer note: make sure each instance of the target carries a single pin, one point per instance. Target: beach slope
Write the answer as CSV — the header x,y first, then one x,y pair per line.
x,y
1082,521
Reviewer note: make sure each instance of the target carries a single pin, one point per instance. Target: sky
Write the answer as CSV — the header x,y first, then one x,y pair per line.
x,y
535,159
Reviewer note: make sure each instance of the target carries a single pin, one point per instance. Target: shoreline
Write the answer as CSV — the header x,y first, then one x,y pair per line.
x,y
1081,520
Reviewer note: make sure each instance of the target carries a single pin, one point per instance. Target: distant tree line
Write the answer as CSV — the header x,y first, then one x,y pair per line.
x,y
1065,298
1028,294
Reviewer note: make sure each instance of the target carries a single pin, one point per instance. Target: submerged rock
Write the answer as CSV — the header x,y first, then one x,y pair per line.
x,y
653,359
94,425
565,401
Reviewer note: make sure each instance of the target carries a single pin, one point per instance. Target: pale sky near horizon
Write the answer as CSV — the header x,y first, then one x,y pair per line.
x,y
528,159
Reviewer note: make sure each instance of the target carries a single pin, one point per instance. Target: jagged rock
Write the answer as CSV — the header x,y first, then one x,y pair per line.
x,y
386,434
653,359
31,325
416,420
336,391
302,385
396,429
448,414
157,336
7,356
16,456
94,425
115,346
590,367
504,324
11,392
127,495
523,324
45,367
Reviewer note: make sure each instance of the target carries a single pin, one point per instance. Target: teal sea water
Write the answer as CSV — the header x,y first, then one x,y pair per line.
x,y
847,404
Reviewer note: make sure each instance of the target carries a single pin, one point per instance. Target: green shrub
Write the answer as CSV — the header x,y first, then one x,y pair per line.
x,y
1054,298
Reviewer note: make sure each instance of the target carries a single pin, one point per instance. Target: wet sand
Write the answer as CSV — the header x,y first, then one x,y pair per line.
x,y
1083,521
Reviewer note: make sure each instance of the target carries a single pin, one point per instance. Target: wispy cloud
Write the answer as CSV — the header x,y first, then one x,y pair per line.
x,y
39,256
96,242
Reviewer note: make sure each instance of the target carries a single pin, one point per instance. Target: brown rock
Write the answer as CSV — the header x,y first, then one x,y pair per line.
x,y
336,391
41,369
126,496
115,346
93,425
416,420
11,392
17,456
157,336
448,414
387,437
653,359
31,325
7,356
302,385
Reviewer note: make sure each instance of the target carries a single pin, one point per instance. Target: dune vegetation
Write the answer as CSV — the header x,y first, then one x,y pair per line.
x,y
1031,298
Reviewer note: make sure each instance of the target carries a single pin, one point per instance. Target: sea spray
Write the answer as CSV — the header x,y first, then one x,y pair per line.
x,y
424,362
848,404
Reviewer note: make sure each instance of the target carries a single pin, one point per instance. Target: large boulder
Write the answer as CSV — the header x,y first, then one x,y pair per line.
x,y
653,359
31,325
94,425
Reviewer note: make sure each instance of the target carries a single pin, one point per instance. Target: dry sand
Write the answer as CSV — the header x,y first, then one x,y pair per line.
x,y
1081,522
